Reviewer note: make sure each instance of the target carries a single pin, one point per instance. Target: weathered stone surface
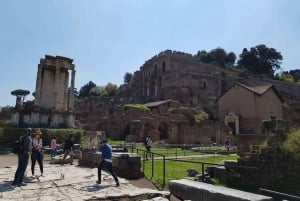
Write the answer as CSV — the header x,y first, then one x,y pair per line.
x,y
127,165
90,159
68,183
192,190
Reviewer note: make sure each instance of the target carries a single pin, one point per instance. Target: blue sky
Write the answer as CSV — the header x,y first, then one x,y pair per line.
x,y
107,38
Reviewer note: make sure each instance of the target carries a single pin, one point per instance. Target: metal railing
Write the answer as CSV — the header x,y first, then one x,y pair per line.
x,y
184,149
158,156
164,159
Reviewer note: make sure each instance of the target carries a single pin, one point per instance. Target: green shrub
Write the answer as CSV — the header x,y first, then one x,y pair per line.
x,y
140,107
192,114
9,134
201,116
292,144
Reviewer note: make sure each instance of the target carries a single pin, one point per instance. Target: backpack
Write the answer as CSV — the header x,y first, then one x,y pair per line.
x,y
145,141
18,146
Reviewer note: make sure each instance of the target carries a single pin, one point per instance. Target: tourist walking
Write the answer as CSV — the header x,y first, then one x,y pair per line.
x,y
68,149
53,146
37,154
148,142
227,143
106,161
23,157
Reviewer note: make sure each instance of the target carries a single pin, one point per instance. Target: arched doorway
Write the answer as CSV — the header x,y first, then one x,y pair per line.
x,y
163,130
232,120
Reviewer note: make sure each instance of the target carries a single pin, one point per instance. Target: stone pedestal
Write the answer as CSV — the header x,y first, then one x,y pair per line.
x,y
126,165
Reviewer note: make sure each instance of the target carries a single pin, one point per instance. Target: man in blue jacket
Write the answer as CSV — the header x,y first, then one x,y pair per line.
x,y
23,157
106,161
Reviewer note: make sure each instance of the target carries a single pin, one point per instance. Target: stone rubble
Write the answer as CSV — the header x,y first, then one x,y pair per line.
x,y
67,182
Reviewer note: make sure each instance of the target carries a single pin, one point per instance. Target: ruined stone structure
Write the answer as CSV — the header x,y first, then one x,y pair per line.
x,y
134,125
181,77
254,105
54,96
52,84
127,165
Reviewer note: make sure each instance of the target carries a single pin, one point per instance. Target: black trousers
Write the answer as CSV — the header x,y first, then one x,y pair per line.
x,y
36,156
108,165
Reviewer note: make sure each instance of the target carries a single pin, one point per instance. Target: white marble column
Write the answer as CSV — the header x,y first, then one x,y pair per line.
x,y
38,86
71,96
56,86
66,92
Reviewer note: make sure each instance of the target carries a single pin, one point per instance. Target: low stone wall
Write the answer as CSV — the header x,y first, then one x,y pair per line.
x,y
126,165
192,190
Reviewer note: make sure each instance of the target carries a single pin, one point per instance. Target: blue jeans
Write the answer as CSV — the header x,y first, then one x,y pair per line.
x,y
22,165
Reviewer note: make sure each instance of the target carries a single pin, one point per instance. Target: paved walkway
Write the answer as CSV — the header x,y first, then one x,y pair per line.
x,y
69,183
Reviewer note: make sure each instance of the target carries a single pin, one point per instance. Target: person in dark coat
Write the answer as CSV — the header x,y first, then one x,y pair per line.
x,y
68,149
23,157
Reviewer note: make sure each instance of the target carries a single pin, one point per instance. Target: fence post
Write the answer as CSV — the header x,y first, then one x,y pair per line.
x,y
202,171
152,163
144,155
164,173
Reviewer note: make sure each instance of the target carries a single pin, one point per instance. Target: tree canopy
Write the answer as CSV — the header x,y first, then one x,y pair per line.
x,y
218,56
260,60
91,89
284,76
295,73
127,77
20,93
111,89
85,90
97,91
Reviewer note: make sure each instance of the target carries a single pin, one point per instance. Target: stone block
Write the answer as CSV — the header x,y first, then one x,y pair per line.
x,y
221,173
193,190
77,146
58,159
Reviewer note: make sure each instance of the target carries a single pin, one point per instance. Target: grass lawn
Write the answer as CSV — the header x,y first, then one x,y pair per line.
x,y
177,169
175,151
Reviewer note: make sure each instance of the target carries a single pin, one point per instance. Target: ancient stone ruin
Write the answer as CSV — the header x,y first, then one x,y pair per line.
x,y
126,165
54,96
176,77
